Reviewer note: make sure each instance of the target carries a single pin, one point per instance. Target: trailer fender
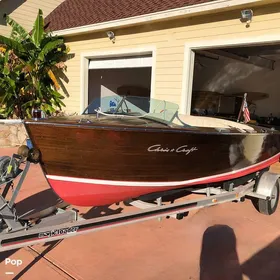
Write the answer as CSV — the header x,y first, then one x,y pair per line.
x,y
266,183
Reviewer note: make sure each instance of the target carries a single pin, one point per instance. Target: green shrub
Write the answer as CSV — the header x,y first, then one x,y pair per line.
x,y
32,65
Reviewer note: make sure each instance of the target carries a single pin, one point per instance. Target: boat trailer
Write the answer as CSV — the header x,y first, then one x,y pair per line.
x,y
261,187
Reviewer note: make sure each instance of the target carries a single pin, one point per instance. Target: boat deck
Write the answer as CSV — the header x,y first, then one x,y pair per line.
x,y
192,124
92,120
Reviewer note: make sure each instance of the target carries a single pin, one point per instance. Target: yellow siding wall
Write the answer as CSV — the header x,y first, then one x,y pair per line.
x,y
169,39
25,12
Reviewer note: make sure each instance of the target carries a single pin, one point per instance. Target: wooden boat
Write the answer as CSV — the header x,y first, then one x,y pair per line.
x,y
125,147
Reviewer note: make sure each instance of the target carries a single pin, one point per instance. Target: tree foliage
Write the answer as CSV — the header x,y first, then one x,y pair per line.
x,y
31,67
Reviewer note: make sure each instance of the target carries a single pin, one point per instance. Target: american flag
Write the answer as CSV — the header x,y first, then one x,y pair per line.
x,y
246,113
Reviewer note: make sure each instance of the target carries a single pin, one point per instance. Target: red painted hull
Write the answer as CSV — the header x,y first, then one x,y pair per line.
x,y
87,192
84,194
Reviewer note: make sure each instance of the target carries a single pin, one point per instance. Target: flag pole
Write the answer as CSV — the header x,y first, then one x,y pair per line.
x,y
242,105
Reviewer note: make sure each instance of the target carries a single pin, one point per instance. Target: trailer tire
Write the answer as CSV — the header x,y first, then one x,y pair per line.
x,y
34,155
4,163
269,206
23,151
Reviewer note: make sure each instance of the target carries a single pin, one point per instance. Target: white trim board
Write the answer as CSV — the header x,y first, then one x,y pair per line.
x,y
117,63
163,15
189,57
87,56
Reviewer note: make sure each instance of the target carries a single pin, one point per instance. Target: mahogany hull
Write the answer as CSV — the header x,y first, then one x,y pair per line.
x,y
91,165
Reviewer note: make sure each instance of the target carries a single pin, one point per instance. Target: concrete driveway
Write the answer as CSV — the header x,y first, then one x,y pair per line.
x,y
228,241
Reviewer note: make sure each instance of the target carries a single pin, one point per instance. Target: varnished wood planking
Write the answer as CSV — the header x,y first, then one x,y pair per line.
x,y
97,151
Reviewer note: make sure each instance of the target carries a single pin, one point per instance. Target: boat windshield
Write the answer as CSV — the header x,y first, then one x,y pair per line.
x,y
133,107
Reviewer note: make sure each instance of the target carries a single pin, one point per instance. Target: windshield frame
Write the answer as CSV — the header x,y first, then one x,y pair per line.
x,y
166,111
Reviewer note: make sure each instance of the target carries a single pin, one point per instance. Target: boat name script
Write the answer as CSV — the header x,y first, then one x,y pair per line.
x,y
182,149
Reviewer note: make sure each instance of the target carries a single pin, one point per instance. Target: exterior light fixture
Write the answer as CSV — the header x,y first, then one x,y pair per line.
x,y
246,16
111,36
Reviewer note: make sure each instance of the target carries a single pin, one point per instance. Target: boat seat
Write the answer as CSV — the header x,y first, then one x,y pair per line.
x,y
202,121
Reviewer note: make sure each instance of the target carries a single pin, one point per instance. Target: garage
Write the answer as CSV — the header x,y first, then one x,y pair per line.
x,y
222,76
125,75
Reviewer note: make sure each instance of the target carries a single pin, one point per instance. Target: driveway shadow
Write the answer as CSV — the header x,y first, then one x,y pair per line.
x,y
7,254
43,202
49,246
218,258
265,264
101,211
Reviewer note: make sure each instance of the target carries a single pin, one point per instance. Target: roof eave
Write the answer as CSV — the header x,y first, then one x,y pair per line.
x,y
163,15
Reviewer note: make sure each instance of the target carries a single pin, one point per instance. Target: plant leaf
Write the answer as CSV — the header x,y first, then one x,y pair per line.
x,y
17,30
54,79
38,29
49,47
12,44
57,94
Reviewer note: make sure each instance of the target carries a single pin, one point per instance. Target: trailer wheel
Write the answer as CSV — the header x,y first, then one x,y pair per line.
x,y
269,206
4,163
4,167
23,151
34,155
